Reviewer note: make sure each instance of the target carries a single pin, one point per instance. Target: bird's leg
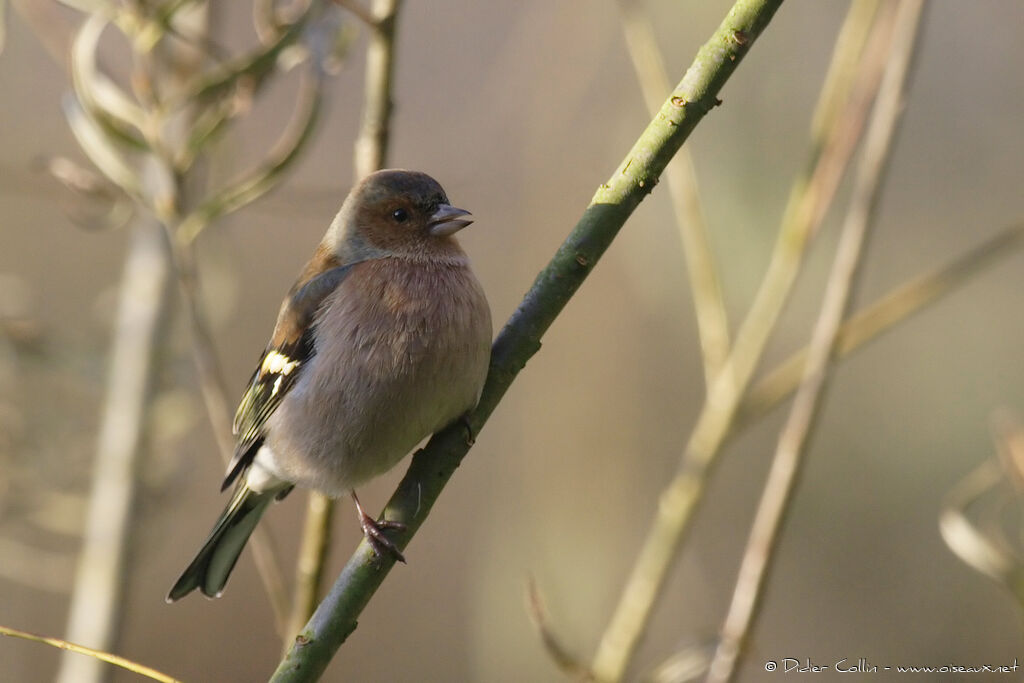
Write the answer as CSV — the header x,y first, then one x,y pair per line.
x,y
374,532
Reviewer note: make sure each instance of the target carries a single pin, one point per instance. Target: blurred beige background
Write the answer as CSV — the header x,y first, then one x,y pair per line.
x,y
521,110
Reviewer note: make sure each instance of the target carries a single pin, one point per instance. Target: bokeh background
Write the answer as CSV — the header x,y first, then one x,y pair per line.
x,y
521,110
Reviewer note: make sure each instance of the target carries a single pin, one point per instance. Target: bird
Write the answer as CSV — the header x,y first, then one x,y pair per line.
x,y
383,340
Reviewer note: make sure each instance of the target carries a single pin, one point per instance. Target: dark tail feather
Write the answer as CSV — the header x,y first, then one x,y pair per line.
x,y
212,566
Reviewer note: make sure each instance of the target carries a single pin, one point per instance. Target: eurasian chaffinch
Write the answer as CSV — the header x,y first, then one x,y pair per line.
x,y
383,340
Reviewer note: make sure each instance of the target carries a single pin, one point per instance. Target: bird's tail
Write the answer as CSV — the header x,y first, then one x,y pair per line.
x,y
212,566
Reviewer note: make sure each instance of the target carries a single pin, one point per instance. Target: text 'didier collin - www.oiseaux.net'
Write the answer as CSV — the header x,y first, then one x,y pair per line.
x,y
863,665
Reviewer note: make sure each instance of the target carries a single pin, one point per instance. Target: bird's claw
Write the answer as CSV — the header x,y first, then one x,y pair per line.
x,y
373,530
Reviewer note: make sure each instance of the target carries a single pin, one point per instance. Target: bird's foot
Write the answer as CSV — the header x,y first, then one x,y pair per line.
x,y
373,530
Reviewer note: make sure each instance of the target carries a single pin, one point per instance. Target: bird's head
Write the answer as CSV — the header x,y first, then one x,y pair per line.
x,y
396,213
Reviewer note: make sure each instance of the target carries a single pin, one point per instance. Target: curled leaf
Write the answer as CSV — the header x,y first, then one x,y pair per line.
x,y
261,180
99,147
977,511
98,94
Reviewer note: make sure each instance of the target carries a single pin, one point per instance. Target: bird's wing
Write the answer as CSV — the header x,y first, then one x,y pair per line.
x,y
290,348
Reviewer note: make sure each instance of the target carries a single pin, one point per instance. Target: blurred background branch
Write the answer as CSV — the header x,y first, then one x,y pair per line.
x,y
94,613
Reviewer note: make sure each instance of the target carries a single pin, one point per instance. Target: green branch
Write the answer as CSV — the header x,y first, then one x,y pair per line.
x,y
519,340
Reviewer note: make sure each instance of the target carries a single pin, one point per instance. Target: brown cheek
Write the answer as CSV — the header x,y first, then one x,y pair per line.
x,y
384,236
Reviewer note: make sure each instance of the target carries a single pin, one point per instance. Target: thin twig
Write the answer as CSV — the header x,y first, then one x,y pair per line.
x,y
258,182
371,146
371,149
254,67
879,317
128,664
519,340
567,663
811,194
681,177
792,447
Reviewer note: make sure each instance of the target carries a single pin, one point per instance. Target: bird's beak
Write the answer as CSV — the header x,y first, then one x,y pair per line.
x,y
447,220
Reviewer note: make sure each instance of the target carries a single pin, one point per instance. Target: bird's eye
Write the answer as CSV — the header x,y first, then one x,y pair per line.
x,y
400,215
